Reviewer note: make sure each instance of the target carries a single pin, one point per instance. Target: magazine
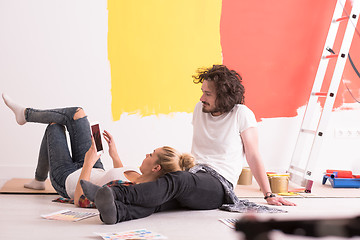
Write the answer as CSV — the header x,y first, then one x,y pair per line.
x,y
133,234
69,215
230,222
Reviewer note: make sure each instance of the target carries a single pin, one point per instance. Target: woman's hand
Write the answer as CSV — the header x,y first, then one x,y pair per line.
x,y
90,159
112,149
279,201
91,155
110,140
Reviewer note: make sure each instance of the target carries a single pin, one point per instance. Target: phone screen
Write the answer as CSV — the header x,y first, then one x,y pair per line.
x,y
97,136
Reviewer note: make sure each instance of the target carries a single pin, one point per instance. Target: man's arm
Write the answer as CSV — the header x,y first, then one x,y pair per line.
x,y
251,148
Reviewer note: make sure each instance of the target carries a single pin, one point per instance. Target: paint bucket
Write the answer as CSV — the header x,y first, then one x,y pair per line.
x,y
245,177
279,182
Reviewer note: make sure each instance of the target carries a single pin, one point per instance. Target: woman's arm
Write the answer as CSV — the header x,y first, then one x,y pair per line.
x,y
251,147
112,150
90,159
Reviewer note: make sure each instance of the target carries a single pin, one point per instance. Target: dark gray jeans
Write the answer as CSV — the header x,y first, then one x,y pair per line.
x,y
54,155
200,191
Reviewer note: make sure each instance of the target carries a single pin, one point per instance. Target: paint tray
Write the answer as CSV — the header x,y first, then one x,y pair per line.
x,y
342,182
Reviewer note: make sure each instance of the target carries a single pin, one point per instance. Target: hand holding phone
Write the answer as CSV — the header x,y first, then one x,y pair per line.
x,y
95,129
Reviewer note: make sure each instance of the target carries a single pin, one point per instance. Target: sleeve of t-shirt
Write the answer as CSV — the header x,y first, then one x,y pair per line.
x,y
246,118
195,112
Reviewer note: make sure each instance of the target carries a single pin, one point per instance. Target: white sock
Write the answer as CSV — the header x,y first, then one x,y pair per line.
x,y
35,184
17,109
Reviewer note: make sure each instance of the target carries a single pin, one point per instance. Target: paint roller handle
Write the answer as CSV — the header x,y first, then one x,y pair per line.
x,y
339,173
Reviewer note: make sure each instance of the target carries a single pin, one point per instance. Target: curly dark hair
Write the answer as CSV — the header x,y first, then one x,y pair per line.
x,y
228,84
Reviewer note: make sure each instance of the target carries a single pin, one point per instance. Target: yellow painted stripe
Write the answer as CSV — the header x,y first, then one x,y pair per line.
x,y
154,47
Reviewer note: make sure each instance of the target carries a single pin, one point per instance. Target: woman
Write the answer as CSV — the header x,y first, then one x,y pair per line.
x,y
67,170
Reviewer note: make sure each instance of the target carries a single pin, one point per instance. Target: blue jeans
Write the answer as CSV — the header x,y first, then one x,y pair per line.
x,y
54,154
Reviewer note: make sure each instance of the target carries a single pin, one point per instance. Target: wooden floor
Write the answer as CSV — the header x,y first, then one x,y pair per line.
x,y
20,218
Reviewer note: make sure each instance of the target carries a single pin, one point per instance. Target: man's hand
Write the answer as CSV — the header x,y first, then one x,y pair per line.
x,y
279,201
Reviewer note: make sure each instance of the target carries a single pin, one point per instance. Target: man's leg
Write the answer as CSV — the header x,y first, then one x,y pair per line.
x,y
208,193
199,191
195,191
113,211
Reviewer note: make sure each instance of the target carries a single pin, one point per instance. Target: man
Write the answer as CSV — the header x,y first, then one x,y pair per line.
x,y
226,130
224,135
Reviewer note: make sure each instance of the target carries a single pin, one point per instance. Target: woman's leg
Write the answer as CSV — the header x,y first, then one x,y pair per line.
x,y
60,161
62,116
76,123
79,131
17,109
73,118
42,168
56,151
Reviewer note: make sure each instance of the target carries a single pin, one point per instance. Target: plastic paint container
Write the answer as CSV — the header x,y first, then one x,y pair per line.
x,y
245,177
279,182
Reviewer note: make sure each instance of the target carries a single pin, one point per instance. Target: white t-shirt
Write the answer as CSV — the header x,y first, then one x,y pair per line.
x,y
217,142
98,176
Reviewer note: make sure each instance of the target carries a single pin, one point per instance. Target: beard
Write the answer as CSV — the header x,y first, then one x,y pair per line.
x,y
205,111
209,110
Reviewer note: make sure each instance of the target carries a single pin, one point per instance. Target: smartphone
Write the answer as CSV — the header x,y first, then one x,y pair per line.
x,y
95,129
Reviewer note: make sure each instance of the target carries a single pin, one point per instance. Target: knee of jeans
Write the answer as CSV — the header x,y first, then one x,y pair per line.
x,y
80,113
55,125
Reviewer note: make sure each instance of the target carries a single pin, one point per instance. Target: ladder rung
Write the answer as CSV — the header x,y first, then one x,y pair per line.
x,y
341,19
319,94
307,131
297,169
331,56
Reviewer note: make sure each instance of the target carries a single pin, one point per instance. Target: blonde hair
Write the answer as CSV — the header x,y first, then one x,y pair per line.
x,y
172,160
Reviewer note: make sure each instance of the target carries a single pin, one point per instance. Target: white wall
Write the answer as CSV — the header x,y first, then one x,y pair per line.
x,y
340,148
54,54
